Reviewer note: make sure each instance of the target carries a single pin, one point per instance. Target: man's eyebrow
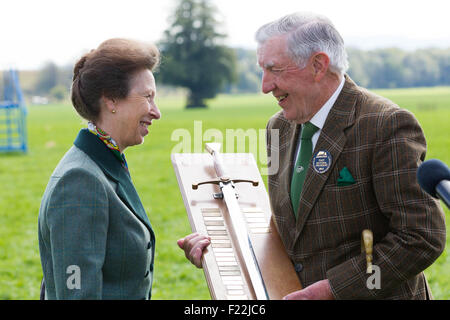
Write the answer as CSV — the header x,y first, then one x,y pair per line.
x,y
268,65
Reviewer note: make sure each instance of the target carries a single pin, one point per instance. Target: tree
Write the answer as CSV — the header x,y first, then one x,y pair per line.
x,y
59,92
248,72
425,68
47,78
192,54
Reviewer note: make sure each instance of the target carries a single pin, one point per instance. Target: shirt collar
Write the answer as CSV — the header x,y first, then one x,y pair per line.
x,y
319,118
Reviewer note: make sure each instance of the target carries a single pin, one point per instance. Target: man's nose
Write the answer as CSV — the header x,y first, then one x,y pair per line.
x,y
268,83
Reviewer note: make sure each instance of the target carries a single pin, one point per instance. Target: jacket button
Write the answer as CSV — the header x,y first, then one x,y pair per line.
x,y
146,274
298,267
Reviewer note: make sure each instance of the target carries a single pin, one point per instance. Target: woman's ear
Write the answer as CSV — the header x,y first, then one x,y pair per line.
x,y
108,104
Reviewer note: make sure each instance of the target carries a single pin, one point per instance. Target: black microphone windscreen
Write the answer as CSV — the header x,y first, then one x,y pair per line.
x,y
431,173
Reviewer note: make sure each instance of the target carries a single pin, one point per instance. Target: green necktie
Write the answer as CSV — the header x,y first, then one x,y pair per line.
x,y
302,164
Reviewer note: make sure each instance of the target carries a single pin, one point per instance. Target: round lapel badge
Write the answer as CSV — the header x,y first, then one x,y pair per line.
x,y
321,161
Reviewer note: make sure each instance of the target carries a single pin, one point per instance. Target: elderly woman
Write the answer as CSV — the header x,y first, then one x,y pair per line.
x,y
95,239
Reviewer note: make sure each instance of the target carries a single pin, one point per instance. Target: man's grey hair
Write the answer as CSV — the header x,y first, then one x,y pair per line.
x,y
308,33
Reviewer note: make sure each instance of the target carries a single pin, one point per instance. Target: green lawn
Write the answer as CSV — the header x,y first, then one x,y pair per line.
x,y
52,129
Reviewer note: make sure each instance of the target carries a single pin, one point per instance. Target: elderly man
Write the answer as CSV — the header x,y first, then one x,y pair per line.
x,y
348,161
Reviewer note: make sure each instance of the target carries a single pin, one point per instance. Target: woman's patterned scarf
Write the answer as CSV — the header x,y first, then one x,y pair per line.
x,y
110,143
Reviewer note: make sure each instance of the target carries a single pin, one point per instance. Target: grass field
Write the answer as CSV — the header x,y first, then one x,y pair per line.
x,y
52,129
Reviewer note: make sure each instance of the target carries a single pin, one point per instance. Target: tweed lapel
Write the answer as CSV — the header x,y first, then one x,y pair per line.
x,y
112,168
281,182
286,175
331,139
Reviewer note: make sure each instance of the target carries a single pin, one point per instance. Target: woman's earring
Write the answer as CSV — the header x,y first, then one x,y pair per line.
x,y
114,111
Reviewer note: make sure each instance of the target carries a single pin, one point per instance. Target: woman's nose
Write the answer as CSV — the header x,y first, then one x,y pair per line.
x,y
154,111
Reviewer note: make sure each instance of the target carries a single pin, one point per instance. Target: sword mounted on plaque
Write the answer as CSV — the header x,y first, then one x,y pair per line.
x,y
246,258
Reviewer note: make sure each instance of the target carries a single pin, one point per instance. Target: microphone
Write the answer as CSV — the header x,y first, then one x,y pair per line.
x,y
434,177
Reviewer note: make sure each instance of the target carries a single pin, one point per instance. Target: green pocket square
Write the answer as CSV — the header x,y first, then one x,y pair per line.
x,y
345,178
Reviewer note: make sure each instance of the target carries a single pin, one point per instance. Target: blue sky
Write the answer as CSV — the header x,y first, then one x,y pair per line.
x,y
35,31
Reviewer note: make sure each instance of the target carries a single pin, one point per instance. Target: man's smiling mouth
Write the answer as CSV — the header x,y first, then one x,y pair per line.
x,y
281,98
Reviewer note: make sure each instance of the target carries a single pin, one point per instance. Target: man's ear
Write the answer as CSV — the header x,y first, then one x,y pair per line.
x,y
320,63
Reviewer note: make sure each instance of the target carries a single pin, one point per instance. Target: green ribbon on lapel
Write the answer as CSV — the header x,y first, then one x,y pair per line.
x,y
345,178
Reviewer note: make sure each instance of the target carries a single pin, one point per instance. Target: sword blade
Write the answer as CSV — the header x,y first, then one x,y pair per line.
x,y
240,231
239,225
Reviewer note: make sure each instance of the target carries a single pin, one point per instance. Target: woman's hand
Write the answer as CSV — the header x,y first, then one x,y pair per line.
x,y
193,246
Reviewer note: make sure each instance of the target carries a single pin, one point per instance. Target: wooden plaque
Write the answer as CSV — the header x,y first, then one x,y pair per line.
x,y
225,275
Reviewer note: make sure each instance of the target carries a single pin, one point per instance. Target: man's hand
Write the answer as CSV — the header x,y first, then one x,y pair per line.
x,y
193,246
320,290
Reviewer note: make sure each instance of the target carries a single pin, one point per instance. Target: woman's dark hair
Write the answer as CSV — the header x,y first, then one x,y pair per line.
x,y
106,71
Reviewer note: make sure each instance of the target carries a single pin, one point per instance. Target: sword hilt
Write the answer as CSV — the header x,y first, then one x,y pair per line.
x,y
225,180
214,151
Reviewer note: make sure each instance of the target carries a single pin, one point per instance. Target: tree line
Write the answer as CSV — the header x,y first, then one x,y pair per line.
x,y
373,69
195,57
380,68
396,68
